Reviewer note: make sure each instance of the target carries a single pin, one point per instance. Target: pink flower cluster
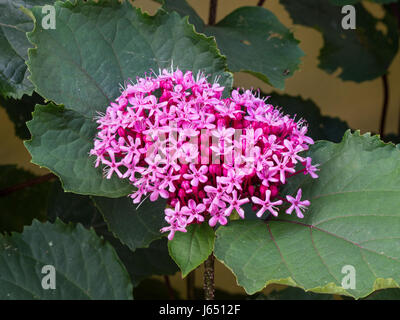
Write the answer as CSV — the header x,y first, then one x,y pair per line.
x,y
174,136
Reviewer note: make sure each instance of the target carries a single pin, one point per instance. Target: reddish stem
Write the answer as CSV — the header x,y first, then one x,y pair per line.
x,y
297,172
27,184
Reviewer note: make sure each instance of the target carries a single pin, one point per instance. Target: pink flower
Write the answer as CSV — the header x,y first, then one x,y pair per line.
x,y
113,165
172,228
194,211
224,134
168,179
266,204
235,203
218,217
158,191
176,215
292,152
297,204
232,180
309,169
282,166
197,175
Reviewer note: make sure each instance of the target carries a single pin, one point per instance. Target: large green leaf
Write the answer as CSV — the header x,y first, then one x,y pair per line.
x,y
362,54
354,219
252,39
61,141
320,127
14,24
86,266
140,264
96,47
136,226
14,214
189,249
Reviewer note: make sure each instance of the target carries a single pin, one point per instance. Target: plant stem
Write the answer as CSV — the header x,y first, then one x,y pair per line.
x,y
190,285
27,184
385,104
171,293
213,12
209,288
260,3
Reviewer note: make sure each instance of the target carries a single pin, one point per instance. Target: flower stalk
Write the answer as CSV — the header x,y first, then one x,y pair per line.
x,y
209,287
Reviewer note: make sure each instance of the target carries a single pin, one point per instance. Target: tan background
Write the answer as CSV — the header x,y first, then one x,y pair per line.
x,y
358,104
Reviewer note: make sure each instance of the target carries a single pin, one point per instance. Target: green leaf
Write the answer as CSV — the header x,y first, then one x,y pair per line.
x,y
86,266
20,111
252,39
14,24
20,207
134,226
353,219
189,249
61,141
140,264
68,66
320,127
68,63
361,54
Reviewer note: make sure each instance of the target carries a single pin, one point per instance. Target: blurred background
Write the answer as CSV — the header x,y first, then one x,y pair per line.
x,y
359,104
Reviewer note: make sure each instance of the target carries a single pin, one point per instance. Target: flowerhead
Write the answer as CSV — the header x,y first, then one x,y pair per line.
x,y
174,136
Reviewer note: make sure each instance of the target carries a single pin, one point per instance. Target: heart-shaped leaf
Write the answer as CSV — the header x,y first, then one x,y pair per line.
x,y
189,249
364,53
